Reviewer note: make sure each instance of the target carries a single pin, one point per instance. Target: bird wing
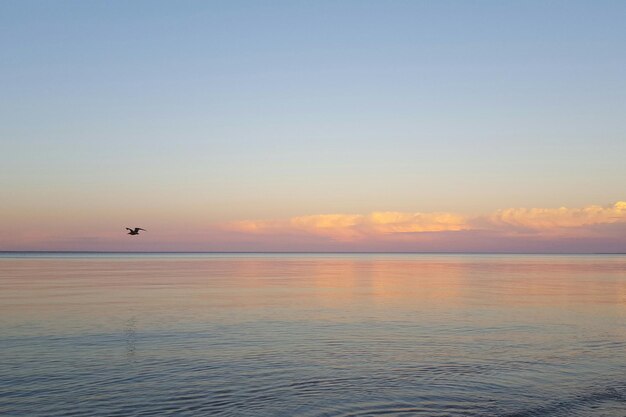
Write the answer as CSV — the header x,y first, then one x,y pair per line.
x,y
129,229
139,228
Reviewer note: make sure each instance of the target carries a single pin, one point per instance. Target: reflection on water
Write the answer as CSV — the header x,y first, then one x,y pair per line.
x,y
313,335
130,334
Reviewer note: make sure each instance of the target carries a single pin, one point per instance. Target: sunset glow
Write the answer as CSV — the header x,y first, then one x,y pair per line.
x,y
596,228
313,208
516,223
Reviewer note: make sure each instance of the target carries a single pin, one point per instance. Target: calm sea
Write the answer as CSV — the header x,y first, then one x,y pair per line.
x,y
312,335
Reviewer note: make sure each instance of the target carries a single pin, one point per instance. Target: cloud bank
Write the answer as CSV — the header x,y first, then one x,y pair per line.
x,y
348,227
591,221
587,229
561,218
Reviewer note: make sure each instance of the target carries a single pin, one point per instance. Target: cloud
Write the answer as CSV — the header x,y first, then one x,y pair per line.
x,y
554,219
397,222
397,225
348,227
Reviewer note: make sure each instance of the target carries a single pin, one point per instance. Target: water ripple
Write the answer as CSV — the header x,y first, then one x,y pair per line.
x,y
313,337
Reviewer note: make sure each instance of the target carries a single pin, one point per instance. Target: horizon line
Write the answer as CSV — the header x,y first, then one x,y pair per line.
x,y
315,252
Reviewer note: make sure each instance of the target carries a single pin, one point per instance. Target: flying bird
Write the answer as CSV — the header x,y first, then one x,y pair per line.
x,y
135,231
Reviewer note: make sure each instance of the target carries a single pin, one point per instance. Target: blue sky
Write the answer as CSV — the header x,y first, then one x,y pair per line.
x,y
222,111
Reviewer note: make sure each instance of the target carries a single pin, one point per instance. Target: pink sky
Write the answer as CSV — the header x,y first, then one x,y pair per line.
x,y
586,229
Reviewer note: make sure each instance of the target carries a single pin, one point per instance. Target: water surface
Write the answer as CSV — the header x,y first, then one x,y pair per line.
x,y
312,335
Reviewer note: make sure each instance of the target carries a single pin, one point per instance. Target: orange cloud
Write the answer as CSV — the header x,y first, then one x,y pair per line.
x,y
390,224
546,218
397,222
336,226
356,226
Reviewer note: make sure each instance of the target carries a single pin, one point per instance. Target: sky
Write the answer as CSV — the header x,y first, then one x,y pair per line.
x,y
313,125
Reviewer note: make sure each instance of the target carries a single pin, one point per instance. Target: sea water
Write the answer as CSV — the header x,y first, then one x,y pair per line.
x,y
312,335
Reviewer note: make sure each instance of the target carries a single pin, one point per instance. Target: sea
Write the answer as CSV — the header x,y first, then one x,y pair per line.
x,y
312,335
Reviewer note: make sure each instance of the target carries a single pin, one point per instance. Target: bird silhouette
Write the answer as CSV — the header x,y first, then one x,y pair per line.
x,y
135,231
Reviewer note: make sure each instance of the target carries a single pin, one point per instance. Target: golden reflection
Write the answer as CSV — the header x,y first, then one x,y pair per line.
x,y
295,287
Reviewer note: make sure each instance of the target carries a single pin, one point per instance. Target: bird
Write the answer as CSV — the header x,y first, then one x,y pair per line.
x,y
135,231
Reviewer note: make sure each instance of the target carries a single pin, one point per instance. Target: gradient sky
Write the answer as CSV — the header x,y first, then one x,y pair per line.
x,y
227,125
